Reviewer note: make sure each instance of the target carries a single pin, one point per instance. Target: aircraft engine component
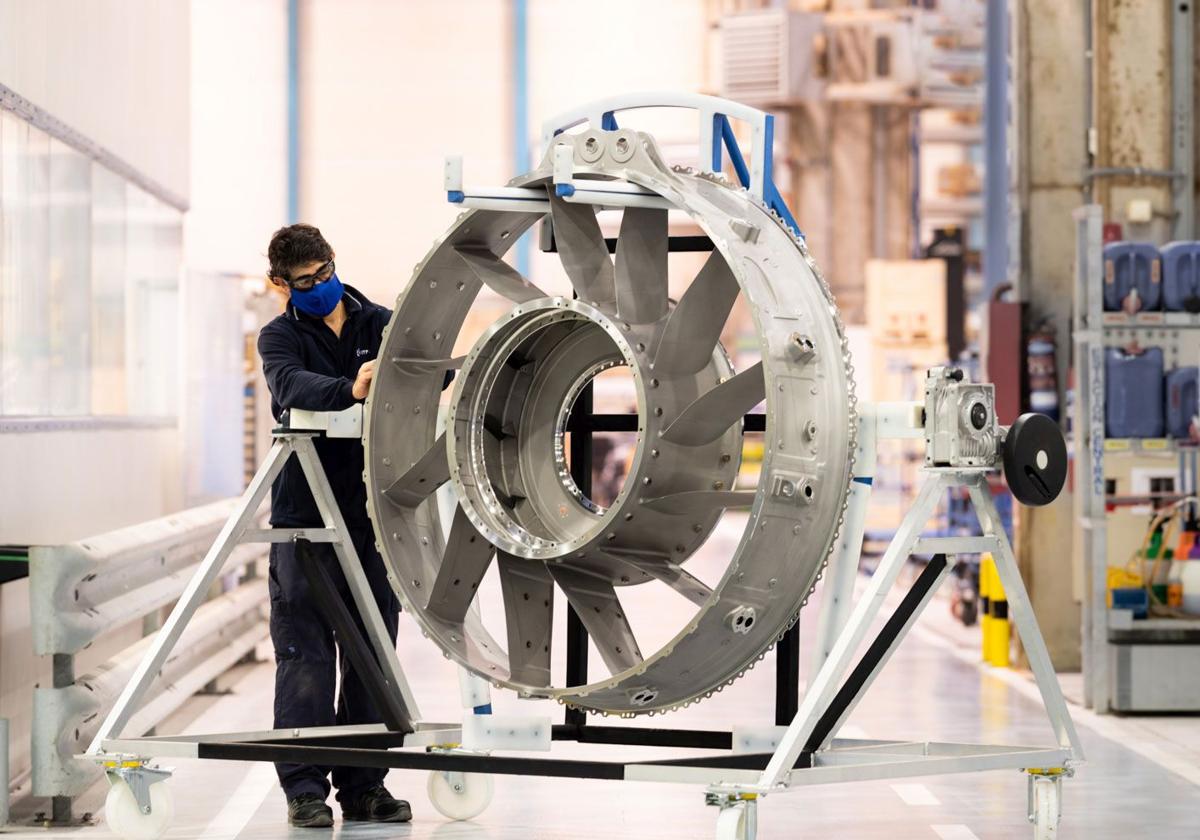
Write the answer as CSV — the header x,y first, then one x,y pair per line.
x,y
505,442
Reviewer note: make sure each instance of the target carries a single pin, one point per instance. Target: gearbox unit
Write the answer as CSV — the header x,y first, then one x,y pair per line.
x,y
960,421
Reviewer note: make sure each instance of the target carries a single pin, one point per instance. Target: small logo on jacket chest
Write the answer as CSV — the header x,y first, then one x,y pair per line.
x,y
360,352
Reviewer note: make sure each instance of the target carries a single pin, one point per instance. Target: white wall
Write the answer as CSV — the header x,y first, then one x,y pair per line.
x,y
238,198
579,51
61,486
387,91
238,133
114,70
117,72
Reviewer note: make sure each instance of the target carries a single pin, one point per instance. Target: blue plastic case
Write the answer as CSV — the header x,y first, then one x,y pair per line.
x,y
1130,266
1133,385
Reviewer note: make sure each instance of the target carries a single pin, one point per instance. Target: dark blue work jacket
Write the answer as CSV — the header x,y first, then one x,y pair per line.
x,y
309,367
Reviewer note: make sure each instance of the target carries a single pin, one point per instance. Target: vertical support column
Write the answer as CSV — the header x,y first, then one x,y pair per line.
x,y
293,111
879,181
1183,132
62,675
581,474
520,99
1089,453
995,124
787,676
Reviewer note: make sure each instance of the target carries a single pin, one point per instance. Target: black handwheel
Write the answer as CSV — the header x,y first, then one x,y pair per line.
x,y
1035,460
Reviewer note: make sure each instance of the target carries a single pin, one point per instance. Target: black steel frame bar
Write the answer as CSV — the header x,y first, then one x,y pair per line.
x,y
585,424
700,739
787,676
675,244
362,658
582,424
581,473
375,749
342,756
875,655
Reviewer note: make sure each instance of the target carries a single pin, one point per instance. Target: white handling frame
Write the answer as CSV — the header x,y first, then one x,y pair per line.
x,y
734,790
236,531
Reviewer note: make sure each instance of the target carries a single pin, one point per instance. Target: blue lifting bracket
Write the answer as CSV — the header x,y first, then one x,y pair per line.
x,y
723,136
715,138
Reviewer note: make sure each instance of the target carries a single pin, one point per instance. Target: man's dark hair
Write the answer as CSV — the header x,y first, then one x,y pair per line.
x,y
296,245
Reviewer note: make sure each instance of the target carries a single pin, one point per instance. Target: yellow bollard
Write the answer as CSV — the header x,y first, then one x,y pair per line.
x,y
996,644
985,602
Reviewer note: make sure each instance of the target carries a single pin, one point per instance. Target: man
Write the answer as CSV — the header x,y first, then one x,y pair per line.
x,y
320,355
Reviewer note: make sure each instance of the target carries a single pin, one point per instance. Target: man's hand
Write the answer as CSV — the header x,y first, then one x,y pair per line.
x,y
362,382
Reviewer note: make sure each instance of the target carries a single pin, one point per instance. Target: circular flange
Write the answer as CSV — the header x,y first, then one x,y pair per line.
x,y
510,402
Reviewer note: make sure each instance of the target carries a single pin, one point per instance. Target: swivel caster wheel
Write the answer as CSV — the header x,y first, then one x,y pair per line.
x,y
1045,810
460,796
738,821
127,820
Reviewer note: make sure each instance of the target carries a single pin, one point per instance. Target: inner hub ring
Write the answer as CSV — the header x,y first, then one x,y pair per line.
x,y
511,404
561,429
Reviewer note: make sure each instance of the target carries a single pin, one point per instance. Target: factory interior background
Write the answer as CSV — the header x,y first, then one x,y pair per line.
x,y
1006,187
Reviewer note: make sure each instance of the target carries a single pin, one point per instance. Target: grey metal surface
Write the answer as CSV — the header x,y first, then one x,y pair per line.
x,y
81,590
222,631
499,276
694,326
708,416
1154,678
505,447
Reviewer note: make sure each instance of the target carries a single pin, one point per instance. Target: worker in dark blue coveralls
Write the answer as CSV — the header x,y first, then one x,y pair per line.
x,y
320,355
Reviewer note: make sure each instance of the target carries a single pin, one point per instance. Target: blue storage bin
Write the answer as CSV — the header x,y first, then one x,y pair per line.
x,y
1130,266
1134,599
1183,401
1181,276
1133,393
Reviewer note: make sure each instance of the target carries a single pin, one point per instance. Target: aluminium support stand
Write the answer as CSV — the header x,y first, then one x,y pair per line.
x,y
378,664
809,747
736,775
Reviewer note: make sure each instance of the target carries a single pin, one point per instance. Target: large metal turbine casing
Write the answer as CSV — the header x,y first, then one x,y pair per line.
x,y
503,446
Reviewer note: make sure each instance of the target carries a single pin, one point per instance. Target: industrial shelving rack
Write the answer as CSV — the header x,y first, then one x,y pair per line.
x,y
1094,331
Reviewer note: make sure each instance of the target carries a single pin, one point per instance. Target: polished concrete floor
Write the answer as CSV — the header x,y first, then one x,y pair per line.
x,y
1140,780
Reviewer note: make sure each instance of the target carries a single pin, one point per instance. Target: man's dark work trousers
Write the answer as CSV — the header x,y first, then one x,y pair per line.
x,y
306,658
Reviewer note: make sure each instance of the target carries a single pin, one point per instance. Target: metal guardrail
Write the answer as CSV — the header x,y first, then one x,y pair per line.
x,y
81,591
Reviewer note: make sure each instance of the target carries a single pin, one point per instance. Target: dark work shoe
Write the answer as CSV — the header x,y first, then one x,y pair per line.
x,y
309,811
375,804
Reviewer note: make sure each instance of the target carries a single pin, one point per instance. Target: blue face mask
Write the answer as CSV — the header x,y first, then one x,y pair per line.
x,y
321,299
